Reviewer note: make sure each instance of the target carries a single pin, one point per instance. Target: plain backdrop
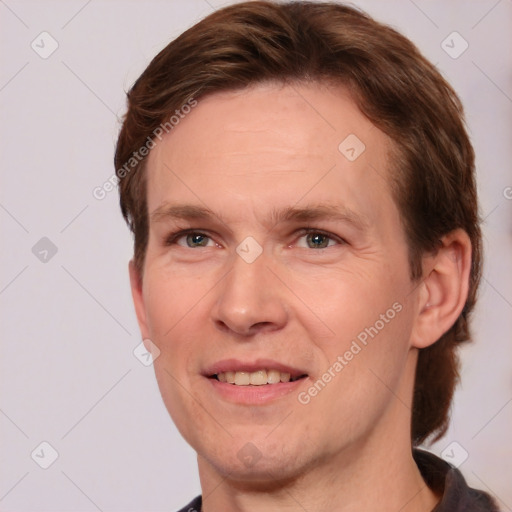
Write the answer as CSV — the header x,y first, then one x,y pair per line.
x,y
68,374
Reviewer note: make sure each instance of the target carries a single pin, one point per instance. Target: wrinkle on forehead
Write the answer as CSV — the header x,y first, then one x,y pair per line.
x,y
272,146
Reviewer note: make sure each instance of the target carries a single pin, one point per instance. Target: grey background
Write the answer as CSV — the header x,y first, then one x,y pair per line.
x,y
68,373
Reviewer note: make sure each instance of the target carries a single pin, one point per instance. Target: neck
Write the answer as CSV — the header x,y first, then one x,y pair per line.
x,y
377,472
385,479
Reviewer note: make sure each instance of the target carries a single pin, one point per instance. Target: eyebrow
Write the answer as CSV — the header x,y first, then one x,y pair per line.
x,y
181,211
168,212
320,212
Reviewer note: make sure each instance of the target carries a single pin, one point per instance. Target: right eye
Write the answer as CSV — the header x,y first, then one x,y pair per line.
x,y
190,239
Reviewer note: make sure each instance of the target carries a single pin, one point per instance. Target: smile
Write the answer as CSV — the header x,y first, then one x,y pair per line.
x,y
255,378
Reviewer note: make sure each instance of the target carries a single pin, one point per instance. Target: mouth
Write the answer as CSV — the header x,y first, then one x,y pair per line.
x,y
261,377
257,382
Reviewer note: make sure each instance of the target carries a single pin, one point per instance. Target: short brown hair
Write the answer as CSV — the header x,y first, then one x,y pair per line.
x,y
394,86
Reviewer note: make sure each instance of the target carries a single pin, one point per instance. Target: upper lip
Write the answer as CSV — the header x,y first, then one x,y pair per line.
x,y
236,365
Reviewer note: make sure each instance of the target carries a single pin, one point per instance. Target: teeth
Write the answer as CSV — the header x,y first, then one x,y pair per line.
x,y
273,376
242,378
257,378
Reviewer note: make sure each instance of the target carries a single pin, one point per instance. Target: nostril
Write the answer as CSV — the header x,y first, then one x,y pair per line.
x,y
263,326
245,329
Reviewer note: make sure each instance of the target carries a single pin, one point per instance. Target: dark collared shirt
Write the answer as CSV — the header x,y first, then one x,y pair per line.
x,y
442,478
448,482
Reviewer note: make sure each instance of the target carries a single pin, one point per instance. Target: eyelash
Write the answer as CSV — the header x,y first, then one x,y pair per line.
x,y
174,237
309,231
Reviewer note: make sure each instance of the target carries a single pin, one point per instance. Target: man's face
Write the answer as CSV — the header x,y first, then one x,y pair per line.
x,y
273,250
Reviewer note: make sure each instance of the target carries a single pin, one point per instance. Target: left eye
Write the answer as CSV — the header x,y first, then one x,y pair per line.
x,y
316,240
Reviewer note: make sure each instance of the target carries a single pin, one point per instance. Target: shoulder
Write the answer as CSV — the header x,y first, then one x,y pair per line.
x,y
449,483
193,506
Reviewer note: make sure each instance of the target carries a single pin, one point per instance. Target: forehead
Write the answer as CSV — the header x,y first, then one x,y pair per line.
x,y
271,146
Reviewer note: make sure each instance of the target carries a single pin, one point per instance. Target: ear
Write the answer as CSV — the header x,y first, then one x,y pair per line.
x,y
138,299
443,290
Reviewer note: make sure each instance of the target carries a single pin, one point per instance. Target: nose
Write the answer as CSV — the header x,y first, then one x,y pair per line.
x,y
249,299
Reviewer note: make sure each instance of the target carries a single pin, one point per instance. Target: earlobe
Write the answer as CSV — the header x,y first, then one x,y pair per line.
x,y
443,290
138,298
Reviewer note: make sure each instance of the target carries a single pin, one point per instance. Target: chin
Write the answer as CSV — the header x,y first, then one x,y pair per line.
x,y
261,461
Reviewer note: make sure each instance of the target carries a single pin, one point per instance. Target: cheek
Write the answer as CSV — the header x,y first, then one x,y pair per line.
x,y
338,306
362,372
369,323
381,344
173,305
171,300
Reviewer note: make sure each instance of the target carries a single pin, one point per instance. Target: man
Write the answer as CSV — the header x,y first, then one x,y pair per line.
x,y
301,190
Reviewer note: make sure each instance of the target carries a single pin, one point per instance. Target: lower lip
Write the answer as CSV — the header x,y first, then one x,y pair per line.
x,y
254,395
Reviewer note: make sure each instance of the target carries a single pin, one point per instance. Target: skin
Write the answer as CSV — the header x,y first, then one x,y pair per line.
x,y
244,155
